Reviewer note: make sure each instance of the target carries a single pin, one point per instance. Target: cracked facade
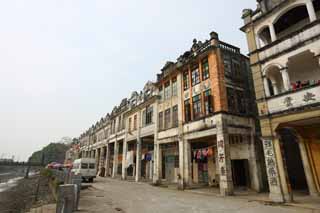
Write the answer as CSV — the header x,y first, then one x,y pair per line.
x,y
284,43
194,126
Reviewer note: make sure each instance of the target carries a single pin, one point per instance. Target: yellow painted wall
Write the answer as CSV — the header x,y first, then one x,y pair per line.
x,y
315,157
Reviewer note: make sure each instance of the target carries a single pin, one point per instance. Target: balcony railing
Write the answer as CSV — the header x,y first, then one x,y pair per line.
x,y
290,41
302,97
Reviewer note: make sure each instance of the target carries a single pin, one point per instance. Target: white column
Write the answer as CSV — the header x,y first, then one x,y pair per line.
x,y
275,88
124,159
224,160
307,169
285,184
115,159
258,41
138,160
187,163
311,11
107,164
181,164
266,86
157,164
272,168
285,78
272,33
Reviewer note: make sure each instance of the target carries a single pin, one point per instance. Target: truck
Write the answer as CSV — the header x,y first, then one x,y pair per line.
x,y
86,167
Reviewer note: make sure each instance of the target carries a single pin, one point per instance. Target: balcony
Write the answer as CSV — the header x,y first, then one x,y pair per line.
x,y
290,41
291,27
294,84
303,97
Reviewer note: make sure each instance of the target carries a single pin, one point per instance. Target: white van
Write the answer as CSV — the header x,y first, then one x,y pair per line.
x,y
86,167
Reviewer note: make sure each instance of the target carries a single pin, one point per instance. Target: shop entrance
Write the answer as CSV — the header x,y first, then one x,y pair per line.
x,y
292,160
170,162
240,173
203,163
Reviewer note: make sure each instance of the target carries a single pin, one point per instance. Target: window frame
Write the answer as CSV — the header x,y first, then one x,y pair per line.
x,y
174,86
175,118
187,110
167,118
186,83
167,90
195,76
196,106
205,69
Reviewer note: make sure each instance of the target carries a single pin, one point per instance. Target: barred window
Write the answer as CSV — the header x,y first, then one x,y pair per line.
x,y
130,124
149,115
160,122
174,87
167,119
167,90
205,69
175,121
187,110
227,64
135,122
186,80
196,100
208,106
195,76
161,92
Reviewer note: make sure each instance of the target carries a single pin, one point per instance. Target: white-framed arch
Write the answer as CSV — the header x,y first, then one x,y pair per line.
x,y
271,20
287,9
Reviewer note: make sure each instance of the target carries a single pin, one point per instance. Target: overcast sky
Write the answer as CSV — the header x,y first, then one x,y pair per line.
x,y
65,63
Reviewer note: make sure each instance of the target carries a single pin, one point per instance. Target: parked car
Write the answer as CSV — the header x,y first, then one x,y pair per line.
x,y
86,167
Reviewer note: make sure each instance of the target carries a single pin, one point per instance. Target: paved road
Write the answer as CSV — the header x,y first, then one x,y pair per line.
x,y
109,195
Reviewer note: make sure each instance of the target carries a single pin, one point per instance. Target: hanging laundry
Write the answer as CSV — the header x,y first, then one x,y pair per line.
x,y
210,152
204,152
199,154
148,157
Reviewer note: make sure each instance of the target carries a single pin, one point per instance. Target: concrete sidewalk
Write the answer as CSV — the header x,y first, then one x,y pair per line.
x,y
110,195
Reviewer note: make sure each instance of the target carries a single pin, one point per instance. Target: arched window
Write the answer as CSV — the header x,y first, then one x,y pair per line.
x,y
264,36
291,21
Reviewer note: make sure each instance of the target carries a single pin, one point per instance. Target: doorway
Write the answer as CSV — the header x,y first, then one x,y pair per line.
x,y
292,160
240,173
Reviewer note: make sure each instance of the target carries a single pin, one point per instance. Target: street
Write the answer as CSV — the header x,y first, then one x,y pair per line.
x,y
111,195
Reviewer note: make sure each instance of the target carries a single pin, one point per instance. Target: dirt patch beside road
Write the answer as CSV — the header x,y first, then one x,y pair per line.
x,y
21,197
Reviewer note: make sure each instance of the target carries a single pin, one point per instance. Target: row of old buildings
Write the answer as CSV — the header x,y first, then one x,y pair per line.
x,y
216,118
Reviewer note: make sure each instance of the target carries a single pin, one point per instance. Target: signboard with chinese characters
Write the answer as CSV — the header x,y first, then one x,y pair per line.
x,y
271,165
294,100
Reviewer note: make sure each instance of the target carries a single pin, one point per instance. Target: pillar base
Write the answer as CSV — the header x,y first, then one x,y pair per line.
x,y
181,185
226,192
226,188
314,194
277,198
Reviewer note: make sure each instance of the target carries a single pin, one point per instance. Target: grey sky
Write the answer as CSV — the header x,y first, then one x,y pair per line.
x,y
66,63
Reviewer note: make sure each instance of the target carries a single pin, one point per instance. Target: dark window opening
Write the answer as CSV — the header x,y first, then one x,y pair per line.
x,y
186,80
149,115
208,102
175,116
290,21
160,123
187,110
195,76
265,36
196,102
167,119
205,69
